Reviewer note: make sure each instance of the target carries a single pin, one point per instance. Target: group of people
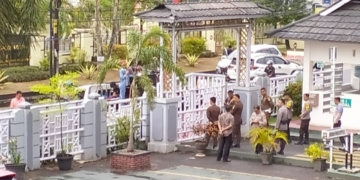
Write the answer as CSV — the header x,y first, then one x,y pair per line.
x,y
230,121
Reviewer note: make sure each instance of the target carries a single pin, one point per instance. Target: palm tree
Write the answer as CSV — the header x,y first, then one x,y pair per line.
x,y
149,58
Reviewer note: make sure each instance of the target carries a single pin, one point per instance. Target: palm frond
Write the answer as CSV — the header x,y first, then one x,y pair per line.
x,y
266,137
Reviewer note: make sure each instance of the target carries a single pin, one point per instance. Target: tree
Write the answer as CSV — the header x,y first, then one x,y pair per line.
x,y
285,12
149,58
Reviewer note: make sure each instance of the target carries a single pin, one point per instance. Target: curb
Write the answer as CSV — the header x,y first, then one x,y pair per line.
x,y
282,160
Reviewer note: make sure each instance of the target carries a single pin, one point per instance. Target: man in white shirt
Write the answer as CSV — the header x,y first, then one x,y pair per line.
x,y
337,118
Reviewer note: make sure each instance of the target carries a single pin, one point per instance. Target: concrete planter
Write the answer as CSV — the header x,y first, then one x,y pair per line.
x,y
200,147
267,158
320,165
18,169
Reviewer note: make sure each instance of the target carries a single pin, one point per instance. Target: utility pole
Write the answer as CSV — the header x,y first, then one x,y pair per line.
x,y
56,35
51,68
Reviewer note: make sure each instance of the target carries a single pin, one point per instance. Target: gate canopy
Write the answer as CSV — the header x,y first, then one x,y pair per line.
x,y
205,15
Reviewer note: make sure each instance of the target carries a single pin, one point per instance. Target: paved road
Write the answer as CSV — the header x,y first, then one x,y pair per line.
x,y
177,166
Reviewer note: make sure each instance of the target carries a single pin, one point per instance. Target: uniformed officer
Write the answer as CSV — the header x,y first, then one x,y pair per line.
x,y
270,70
289,105
281,123
267,105
212,113
305,121
236,111
229,98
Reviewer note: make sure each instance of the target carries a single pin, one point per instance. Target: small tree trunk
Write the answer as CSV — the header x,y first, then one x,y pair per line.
x,y
287,44
98,28
114,29
130,147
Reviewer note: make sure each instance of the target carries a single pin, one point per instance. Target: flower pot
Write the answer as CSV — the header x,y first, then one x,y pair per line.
x,y
18,169
266,158
320,165
200,147
64,161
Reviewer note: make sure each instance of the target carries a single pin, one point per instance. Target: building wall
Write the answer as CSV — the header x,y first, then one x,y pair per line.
x,y
349,54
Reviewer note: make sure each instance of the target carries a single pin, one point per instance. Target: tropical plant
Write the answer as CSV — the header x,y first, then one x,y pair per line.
x,y
294,90
15,155
59,88
192,60
77,55
118,52
266,137
149,58
205,130
88,72
193,45
3,77
316,151
228,41
122,129
45,62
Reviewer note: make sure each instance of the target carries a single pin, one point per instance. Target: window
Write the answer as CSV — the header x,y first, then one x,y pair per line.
x,y
273,51
266,51
279,60
267,59
261,61
64,45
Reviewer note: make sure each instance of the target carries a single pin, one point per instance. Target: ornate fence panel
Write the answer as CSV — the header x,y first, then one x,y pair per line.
x,y
5,118
120,108
52,119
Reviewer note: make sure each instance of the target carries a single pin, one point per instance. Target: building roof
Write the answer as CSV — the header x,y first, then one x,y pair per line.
x,y
206,11
338,23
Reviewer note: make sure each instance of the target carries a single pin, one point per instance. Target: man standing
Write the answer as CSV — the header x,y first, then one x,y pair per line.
x,y
124,79
281,123
258,119
267,105
305,121
16,100
289,105
226,121
337,118
236,112
270,70
213,113
229,98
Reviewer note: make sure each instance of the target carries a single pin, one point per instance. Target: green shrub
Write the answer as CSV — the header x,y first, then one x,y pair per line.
x,y
28,76
193,45
45,64
20,69
77,55
69,67
118,52
294,90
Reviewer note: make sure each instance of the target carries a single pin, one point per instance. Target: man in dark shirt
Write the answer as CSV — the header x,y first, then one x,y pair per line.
x,y
229,98
229,50
270,70
237,108
212,114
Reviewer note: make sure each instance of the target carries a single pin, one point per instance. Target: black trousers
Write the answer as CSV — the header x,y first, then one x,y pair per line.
x,y
282,142
288,130
224,147
304,130
342,140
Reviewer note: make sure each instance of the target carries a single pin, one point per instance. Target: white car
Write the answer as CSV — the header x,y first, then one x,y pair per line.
x,y
258,63
259,48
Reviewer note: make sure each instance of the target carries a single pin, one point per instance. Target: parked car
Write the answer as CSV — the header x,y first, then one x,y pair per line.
x,y
226,59
258,63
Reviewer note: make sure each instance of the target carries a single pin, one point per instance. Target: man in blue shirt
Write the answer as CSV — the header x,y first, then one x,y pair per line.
x,y
337,118
124,79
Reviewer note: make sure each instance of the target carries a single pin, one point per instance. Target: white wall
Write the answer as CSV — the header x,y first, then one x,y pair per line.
x,y
348,54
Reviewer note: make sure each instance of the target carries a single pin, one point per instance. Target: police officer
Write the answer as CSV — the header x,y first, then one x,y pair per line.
x,y
281,121
236,111
270,70
289,105
267,105
305,121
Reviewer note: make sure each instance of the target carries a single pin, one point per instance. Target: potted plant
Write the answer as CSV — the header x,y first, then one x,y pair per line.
x,y
15,166
61,89
205,131
318,156
268,138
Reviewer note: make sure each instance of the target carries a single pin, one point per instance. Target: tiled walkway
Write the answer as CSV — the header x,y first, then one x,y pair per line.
x,y
176,173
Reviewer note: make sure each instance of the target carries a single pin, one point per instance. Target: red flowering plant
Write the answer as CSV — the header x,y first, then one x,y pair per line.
x,y
206,131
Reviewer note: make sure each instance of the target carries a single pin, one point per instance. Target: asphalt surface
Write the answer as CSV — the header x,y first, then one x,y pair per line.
x,y
177,166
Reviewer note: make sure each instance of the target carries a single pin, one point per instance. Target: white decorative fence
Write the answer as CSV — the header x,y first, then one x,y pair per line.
x,y
120,108
53,117
5,118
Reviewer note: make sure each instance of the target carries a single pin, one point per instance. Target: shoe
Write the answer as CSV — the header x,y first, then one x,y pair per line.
x,y
280,153
236,145
228,160
306,142
218,160
299,143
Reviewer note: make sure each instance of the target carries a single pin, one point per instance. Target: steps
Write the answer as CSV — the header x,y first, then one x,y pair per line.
x,y
339,158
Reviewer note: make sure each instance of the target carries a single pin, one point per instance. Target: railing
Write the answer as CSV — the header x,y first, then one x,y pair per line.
x,y
5,118
120,108
52,120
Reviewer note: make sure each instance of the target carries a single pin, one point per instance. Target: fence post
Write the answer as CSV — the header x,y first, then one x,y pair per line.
x,y
145,125
92,120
